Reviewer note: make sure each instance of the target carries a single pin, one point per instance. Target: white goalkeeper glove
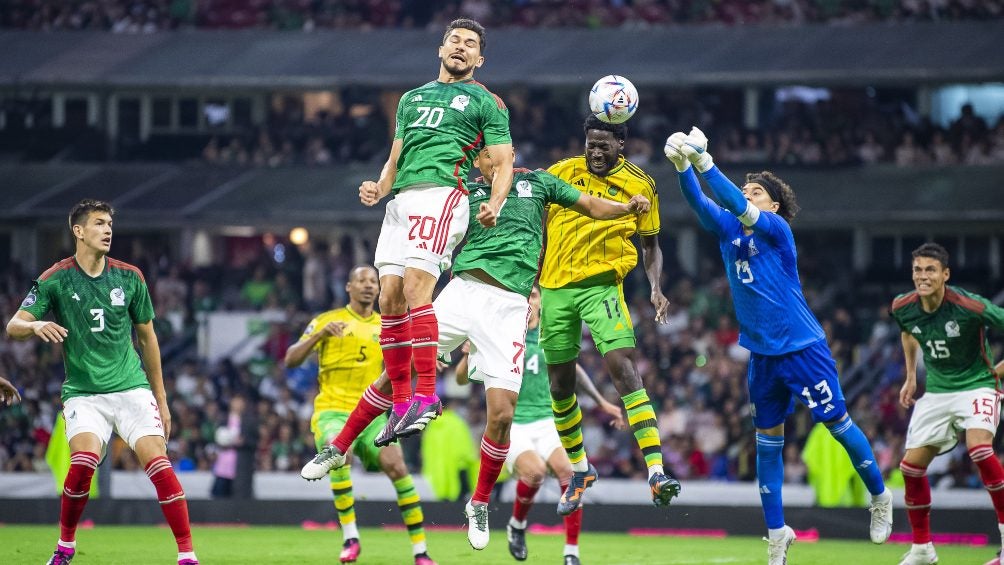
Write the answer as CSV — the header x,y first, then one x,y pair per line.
x,y
695,147
673,152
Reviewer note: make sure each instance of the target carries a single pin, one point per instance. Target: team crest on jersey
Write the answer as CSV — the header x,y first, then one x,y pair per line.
x,y
29,300
952,328
460,102
117,295
753,249
523,189
613,190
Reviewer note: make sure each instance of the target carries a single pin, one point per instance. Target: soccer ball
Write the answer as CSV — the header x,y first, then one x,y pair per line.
x,y
225,437
613,99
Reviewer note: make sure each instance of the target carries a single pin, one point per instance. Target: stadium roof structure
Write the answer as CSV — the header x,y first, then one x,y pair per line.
x,y
874,54
154,195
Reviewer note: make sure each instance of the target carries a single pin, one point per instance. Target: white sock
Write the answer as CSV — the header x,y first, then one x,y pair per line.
x,y
1000,527
418,548
516,523
655,469
69,544
350,531
581,466
571,550
187,555
883,496
775,533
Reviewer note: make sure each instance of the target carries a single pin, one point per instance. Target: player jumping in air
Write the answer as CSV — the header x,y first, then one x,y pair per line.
x,y
347,341
535,447
97,302
439,129
948,325
491,311
789,354
585,263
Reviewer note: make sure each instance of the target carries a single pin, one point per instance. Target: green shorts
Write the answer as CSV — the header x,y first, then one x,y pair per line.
x,y
601,307
329,423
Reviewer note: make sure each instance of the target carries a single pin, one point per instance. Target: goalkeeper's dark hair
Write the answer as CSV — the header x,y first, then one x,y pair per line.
x,y
469,24
779,192
592,122
81,210
934,251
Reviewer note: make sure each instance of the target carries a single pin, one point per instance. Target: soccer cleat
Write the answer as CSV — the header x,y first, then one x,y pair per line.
x,y
424,559
572,497
920,554
387,435
418,416
328,458
62,556
994,561
571,560
881,524
777,547
350,551
188,562
517,542
477,524
664,489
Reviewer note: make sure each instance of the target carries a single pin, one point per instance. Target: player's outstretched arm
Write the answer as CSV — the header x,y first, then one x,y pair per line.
x,y
708,213
502,157
911,348
462,366
299,351
600,209
585,384
149,350
8,392
23,325
695,147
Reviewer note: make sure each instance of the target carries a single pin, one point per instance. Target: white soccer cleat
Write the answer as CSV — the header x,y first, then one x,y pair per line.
x,y
328,458
881,509
777,546
477,524
922,554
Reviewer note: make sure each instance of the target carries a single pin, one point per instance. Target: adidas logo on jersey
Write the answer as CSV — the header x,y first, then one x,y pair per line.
x,y
828,408
764,489
479,193
736,242
580,182
915,330
416,98
865,464
75,296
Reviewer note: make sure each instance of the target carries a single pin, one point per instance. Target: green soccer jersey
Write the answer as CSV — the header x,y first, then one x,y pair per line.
x,y
98,314
442,127
953,338
534,402
510,251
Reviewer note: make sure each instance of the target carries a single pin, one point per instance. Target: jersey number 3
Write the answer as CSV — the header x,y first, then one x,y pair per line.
x,y
99,317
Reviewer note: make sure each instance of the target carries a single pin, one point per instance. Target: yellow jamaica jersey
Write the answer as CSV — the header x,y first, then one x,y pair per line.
x,y
579,247
348,364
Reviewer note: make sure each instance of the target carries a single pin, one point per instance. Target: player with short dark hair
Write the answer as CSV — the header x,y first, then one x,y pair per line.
x,y
440,128
581,280
347,342
486,303
97,302
948,325
789,354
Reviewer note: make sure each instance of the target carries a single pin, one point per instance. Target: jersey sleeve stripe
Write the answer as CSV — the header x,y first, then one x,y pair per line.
x,y
906,299
122,265
498,100
635,171
964,301
64,265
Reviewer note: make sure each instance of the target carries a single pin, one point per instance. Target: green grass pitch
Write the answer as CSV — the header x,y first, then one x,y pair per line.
x,y
259,545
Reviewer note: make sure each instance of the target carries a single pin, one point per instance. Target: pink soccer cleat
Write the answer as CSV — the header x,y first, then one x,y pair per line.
x,y
350,551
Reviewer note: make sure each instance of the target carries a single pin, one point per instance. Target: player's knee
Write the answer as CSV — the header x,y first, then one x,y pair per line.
x,y
392,302
500,414
533,477
394,469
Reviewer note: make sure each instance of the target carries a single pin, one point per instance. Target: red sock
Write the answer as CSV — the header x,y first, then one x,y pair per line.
x,y
372,404
172,501
424,348
918,501
492,458
573,523
524,500
76,490
992,474
395,340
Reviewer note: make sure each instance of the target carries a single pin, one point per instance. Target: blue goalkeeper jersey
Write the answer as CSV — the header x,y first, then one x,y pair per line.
x,y
762,268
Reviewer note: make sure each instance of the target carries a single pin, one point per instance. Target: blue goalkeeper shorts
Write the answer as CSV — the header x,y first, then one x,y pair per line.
x,y
809,374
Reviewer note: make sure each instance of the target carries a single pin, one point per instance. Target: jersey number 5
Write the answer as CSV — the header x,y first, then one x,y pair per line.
x,y
99,317
939,348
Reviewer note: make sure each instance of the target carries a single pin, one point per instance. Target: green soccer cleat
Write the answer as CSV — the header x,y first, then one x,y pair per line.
x,y
328,458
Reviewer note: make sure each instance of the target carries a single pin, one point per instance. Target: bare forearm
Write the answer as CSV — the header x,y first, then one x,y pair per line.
x,y
600,209
20,329
911,349
651,256
150,352
298,352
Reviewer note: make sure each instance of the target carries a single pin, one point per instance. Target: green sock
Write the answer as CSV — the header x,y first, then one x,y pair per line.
x,y
641,418
568,420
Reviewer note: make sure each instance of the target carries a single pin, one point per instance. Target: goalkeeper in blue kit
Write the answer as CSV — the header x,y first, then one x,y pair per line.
x,y
789,354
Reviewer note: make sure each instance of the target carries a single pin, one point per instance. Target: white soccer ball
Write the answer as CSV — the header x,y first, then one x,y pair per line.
x,y
225,437
613,99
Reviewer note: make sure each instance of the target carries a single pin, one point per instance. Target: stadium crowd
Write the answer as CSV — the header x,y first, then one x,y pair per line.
x,y
692,367
149,16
